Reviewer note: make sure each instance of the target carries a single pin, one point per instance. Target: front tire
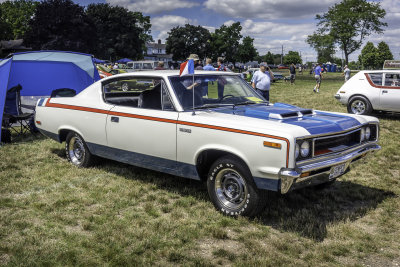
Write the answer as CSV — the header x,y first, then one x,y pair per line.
x,y
232,190
77,151
359,105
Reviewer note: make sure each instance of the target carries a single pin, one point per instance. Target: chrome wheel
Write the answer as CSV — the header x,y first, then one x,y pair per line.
x,y
231,189
76,150
358,107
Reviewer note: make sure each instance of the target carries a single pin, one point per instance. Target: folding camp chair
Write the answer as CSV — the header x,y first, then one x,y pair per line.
x,y
13,114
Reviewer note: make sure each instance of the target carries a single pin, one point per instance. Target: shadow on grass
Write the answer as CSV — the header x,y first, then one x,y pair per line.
x,y
386,115
307,211
25,138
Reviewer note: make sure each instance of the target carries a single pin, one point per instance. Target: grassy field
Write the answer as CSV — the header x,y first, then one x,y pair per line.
x,y
52,213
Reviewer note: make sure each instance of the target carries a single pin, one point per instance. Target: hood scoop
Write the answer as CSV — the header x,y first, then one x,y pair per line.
x,y
291,114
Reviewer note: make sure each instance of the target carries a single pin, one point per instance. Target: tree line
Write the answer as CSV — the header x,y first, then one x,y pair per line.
x,y
106,31
346,25
112,32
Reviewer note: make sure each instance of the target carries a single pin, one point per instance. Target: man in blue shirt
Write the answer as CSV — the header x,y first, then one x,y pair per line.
x,y
208,65
261,80
318,77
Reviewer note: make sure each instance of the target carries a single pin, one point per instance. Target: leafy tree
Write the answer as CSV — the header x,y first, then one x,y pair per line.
x,y
368,56
324,45
246,51
269,58
60,25
5,29
383,54
190,39
120,32
350,22
292,57
225,42
16,14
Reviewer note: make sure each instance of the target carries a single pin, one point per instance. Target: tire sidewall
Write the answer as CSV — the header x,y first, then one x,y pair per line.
x,y
368,107
251,198
87,158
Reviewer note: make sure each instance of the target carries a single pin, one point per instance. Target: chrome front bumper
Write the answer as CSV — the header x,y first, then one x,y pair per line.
x,y
319,172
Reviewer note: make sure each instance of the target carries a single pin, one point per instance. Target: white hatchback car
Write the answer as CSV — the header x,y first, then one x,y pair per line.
x,y
371,90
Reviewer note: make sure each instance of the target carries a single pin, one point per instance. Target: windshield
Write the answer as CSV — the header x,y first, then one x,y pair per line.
x,y
213,91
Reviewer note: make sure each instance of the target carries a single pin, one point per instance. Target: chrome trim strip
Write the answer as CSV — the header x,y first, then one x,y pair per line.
x,y
290,177
334,134
333,154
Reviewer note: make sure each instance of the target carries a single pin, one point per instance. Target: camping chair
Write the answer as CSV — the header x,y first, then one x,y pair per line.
x,y
13,114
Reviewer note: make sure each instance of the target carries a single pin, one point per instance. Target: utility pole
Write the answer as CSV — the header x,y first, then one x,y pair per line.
x,y
282,56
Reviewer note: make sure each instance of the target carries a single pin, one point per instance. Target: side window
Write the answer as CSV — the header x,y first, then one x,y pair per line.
x,y
392,80
376,78
137,92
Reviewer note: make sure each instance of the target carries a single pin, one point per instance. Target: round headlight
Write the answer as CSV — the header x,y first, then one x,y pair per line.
x,y
305,149
297,151
367,133
362,134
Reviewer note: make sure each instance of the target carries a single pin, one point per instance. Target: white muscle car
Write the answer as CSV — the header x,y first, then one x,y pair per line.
x,y
371,90
231,137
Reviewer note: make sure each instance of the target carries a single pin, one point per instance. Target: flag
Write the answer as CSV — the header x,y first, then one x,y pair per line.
x,y
187,68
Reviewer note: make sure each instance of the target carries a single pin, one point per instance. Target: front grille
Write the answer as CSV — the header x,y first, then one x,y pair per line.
x,y
333,144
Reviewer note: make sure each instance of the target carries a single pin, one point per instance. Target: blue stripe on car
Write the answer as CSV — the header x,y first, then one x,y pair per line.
x,y
318,123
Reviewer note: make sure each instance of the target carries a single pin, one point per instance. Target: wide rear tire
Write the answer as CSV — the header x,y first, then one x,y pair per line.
x,y
77,151
232,190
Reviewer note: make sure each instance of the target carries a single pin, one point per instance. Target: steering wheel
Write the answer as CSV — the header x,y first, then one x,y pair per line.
x,y
225,96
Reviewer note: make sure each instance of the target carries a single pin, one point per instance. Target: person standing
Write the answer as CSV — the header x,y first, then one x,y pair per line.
x,y
208,65
292,70
160,66
221,66
196,59
261,80
318,77
346,73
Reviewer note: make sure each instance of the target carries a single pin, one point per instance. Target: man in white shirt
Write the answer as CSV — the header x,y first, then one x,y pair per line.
x,y
261,80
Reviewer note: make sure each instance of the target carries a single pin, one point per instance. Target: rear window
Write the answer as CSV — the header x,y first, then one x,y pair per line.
x,y
376,78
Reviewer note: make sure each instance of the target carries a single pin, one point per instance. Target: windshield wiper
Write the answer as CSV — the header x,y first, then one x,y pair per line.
x,y
249,103
216,105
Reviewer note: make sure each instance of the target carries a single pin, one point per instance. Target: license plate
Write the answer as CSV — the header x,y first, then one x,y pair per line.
x,y
337,170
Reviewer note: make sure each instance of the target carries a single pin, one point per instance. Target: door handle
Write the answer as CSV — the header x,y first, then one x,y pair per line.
x,y
114,119
384,92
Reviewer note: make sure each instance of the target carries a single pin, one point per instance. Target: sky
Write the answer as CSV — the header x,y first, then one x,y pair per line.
x,y
271,23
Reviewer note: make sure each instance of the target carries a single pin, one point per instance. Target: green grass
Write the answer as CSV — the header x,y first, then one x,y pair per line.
x,y
52,213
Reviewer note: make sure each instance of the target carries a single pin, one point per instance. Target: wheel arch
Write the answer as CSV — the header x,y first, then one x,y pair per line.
x,y
206,157
64,131
360,95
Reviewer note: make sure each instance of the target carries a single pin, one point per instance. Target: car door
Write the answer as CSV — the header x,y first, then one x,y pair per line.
x,y
390,92
141,127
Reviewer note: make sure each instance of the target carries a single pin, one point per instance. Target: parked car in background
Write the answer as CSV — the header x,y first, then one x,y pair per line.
x,y
222,132
143,65
283,66
367,91
249,73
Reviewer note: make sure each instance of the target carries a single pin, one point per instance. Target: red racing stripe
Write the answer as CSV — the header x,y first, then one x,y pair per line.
x,y
200,125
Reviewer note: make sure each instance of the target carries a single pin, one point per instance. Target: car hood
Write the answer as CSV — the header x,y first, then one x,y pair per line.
x,y
315,122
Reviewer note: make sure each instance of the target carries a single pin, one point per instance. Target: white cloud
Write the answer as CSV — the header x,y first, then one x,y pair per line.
x,y
164,24
153,7
269,9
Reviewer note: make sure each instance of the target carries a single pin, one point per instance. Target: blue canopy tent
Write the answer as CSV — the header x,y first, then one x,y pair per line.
x,y
98,61
124,60
41,72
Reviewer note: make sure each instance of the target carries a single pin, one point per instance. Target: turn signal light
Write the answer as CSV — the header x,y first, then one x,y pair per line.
x,y
273,145
38,122
305,174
